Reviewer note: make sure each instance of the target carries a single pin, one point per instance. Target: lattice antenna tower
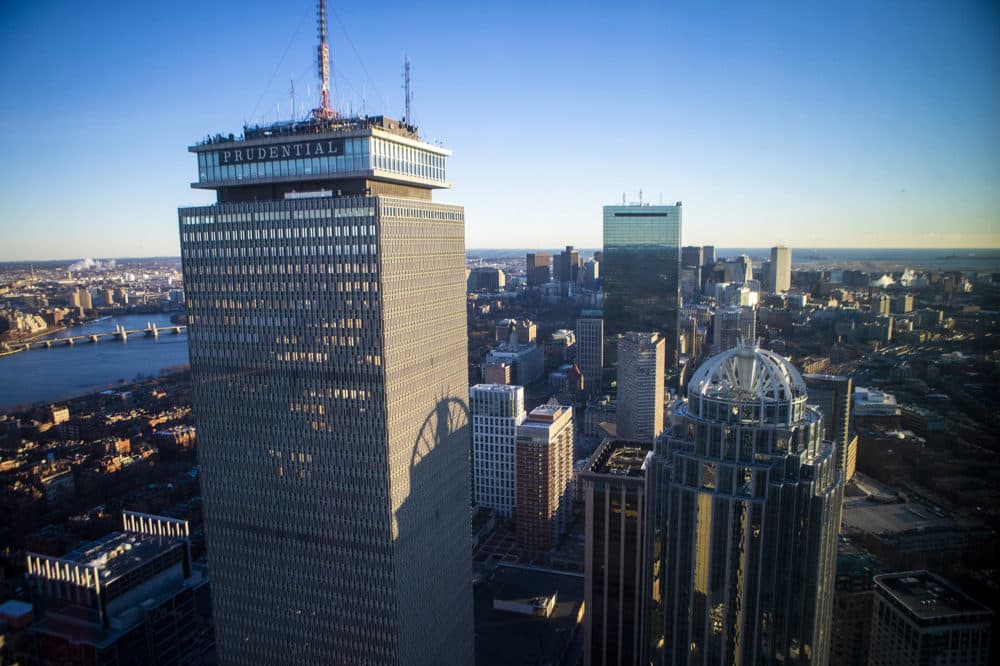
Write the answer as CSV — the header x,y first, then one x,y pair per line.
x,y
325,110
406,88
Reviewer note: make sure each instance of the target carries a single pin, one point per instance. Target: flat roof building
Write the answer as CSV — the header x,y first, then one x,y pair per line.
x,y
614,483
641,268
131,596
921,619
544,476
640,386
496,410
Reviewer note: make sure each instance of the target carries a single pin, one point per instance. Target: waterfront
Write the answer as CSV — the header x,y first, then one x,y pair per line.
x,y
46,375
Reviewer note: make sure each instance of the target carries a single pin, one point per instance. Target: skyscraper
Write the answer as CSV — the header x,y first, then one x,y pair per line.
x,y
614,563
640,386
920,618
745,507
590,349
333,435
642,271
544,471
538,268
733,325
780,269
832,394
692,255
567,265
497,410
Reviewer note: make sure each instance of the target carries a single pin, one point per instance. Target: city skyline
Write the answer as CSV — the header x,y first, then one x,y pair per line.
x,y
802,126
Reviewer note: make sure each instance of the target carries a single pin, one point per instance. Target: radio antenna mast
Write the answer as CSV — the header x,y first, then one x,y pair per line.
x,y
325,110
406,88
293,100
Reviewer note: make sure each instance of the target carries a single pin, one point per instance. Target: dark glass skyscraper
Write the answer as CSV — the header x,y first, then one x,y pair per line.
x,y
641,271
745,501
333,432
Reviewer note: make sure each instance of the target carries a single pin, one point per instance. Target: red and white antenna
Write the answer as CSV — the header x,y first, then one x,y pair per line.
x,y
325,111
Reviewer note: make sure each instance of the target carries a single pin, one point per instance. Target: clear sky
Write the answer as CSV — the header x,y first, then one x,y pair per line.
x,y
813,124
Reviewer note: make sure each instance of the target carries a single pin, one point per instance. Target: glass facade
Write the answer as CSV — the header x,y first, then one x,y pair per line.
x,y
318,157
745,500
615,495
641,270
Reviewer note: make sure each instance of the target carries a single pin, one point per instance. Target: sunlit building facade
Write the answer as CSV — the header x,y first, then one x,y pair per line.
x,y
641,269
497,410
326,298
745,501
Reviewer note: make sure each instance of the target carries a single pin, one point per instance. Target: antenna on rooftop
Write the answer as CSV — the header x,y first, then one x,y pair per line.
x,y
293,100
623,198
640,197
325,111
406,88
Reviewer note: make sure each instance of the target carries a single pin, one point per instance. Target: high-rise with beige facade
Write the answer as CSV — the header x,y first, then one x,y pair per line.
x,y
333,433
640,386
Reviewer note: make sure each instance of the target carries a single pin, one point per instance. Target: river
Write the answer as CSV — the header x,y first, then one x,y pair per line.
x,y
56,373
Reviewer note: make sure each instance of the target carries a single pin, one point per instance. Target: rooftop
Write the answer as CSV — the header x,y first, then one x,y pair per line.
x,y
748,373
927,596
546,413
504,637
118,553
505,389
887,519
873,396
312,126
619,457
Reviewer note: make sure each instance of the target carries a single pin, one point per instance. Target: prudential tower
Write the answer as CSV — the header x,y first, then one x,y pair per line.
x,y
326,295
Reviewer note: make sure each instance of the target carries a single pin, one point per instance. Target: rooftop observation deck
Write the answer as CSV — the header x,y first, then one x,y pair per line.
x,y
306,129
352,155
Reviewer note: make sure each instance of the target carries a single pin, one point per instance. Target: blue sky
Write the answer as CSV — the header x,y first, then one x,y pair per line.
x,y
805,123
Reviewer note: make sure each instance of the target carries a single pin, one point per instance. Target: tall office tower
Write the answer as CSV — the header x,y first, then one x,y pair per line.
x,y
640,386
538,268
131,597
744,510
780,269
732,326
707,254
738,269
690,284
832,394
590,274
853,600
921,619
333,435
544,474
614,482
642,272
590,349
567,265
496,410
691,336
692,256
486,278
